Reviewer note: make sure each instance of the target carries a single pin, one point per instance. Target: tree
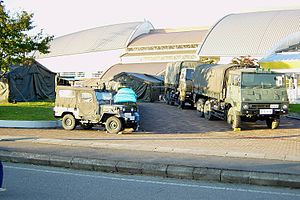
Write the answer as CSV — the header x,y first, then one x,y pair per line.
x,y
17,46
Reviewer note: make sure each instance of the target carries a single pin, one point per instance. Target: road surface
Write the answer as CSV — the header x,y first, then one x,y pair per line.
x,y
36,182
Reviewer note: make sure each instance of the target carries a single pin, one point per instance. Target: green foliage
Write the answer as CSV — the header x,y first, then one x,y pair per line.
x,y
16,45
294,108
27,111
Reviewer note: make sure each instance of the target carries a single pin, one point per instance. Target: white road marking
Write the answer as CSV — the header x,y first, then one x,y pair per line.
x,y
158,182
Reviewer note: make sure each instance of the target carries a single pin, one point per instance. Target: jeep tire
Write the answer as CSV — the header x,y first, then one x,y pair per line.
x,y
68,122
114,125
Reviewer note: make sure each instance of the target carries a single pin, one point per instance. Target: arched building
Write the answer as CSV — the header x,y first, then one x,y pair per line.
x,y
150,53
129,47
253,34
88,52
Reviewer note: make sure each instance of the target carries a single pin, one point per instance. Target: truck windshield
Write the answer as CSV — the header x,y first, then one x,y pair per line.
x,y
255,80
104,97
189,74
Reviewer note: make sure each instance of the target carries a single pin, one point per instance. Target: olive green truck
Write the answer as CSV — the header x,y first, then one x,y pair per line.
x,y
236,93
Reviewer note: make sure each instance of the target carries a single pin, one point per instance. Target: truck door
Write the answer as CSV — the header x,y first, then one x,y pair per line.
x,y
233,88
87,105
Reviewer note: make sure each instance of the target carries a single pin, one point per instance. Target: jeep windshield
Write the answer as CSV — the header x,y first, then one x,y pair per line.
x,y
104,97
263,80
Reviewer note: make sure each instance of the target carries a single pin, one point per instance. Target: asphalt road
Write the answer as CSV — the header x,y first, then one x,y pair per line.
x,y
35,182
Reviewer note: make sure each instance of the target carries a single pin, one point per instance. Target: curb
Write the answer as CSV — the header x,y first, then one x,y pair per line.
x,y
293,117
29,124
156,169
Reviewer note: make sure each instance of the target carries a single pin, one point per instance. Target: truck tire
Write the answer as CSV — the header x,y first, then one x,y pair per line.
x,y
168,98
233,118
236,123
114,125
207,111
273,123
86,126
181,104
200,107
68,122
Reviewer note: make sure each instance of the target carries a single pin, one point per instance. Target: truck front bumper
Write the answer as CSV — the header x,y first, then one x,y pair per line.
x,y
266,111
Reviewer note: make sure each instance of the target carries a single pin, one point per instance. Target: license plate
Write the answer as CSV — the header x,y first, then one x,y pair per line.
x,y
274,106
129,116
266,111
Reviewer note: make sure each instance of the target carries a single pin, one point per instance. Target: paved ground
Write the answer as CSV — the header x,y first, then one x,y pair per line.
x,y
193,135
162,118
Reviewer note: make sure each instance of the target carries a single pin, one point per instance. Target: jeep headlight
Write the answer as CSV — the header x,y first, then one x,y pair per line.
x,y
285,107
245,107
123,109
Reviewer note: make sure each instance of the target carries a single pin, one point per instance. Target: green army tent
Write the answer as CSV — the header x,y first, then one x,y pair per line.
x,y
147,87
31,83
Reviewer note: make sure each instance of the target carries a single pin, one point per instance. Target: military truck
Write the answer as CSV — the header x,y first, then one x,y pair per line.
x,y
178,82
238,93
89,107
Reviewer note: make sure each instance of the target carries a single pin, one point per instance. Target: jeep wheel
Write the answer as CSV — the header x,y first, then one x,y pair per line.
x,y
114,125
135,127
86,126
273,123
68,122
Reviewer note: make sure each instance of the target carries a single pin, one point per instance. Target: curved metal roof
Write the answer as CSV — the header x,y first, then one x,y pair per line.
x,y
169,38
249,33
103,38
144,68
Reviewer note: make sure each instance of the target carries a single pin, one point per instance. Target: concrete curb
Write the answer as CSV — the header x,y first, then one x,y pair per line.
x,y
29,124
293,116
157,169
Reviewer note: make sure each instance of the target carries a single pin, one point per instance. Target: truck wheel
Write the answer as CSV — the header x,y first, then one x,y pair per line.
x,y
168,98
233,118
200,107
86,126
114,125
207,111
273,123
181,104
68,122
236,123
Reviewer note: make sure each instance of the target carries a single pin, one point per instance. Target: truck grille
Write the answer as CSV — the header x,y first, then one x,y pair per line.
x,y
259,106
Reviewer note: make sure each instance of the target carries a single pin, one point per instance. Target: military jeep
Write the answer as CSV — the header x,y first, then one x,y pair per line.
x,y
89,107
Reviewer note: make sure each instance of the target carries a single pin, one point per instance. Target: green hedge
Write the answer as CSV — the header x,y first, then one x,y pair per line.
x,y
294,108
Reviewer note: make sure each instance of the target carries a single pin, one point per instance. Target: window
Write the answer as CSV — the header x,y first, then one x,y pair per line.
x,y
86,97
66,93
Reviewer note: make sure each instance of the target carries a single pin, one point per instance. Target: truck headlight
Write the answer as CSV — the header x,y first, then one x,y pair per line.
x,y
285,107
123,109
245,107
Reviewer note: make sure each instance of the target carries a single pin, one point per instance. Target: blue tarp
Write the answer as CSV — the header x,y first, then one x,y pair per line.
x,y
125,95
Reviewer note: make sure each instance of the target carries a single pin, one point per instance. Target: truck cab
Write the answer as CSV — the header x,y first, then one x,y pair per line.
x,y
254,94
89,107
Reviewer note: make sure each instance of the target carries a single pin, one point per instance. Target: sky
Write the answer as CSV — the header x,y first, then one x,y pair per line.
x,y
61,17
